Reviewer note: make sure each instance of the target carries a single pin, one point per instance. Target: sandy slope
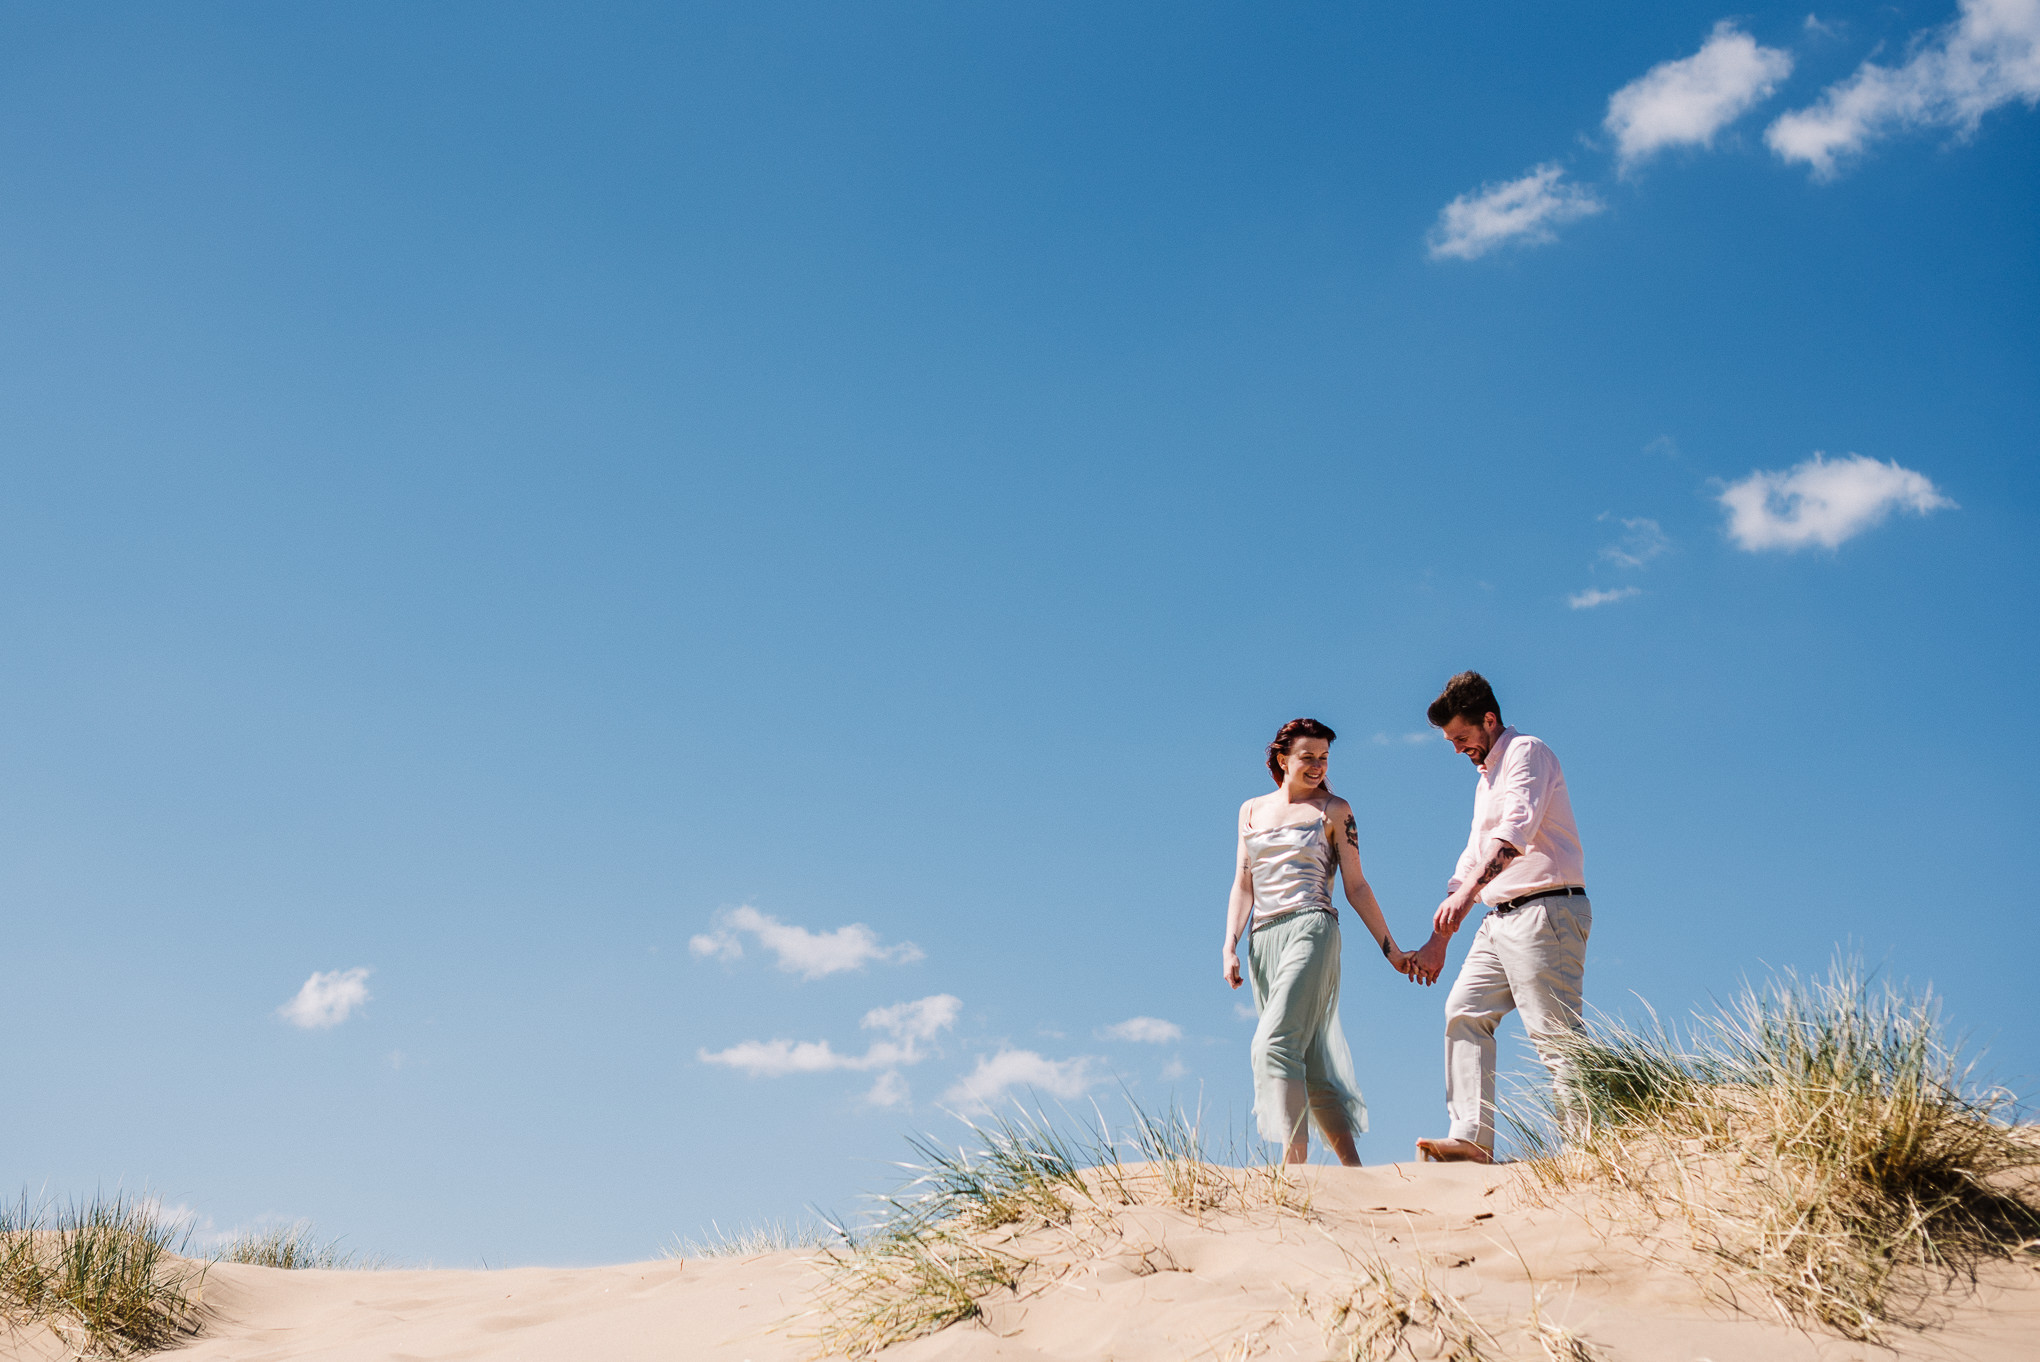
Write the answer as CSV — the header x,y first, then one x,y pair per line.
x,y
1160,1284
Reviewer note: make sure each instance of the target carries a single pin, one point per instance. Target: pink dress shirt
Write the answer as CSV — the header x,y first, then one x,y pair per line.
x,y
1521,799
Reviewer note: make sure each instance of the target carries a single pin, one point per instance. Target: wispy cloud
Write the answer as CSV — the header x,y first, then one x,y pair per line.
x,y
1988,56
996,1075
922,1020
1174,1069
327,999
1144,1030
889,1091
1594,596
1823,501
1524,210
1686,102
1642,540
811,955
1411,739
778,1058
911,1025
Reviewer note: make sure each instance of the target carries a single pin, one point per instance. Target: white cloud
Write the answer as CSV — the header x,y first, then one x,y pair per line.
x,y
1642,540
1174,1069
996,1075
1822,501
1245,1012
1524,209
716,946
1593,596
889,1091
914,1021
909,1023
1145,1030
327,999
1987,57
1686,102
1411,739
777,1058
811,955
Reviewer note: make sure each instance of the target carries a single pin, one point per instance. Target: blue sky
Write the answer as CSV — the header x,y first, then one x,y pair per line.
x,y
601,537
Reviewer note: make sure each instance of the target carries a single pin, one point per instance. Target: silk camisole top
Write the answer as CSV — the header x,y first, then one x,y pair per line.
x,y
1292,869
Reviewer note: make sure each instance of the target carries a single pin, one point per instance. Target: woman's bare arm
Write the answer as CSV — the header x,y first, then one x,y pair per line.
x,y
1345,838
1239,904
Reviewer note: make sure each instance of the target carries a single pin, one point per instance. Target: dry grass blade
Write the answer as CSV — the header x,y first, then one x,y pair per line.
x,y
1820,1141
1561,1344
105,1275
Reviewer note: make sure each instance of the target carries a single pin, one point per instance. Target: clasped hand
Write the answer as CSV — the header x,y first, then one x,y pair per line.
x,y
1427,962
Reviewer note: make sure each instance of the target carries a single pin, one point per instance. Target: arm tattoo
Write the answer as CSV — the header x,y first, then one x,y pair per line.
x,y
1352,834
1497,863
1387,952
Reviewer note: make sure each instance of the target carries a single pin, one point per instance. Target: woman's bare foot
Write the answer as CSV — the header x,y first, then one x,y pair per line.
x,y
1452,1151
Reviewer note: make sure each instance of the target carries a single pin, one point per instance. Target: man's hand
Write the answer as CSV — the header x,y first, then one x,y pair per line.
x,y
1230,962
1428,961
1460,901
1453,911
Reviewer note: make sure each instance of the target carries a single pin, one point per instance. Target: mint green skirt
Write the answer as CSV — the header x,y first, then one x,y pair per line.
x,y
1300,1060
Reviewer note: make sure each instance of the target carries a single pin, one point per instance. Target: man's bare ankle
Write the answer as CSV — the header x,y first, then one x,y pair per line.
x,y
1452,1149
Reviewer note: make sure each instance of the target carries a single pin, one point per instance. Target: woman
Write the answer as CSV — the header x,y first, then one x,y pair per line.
x,y
1290,844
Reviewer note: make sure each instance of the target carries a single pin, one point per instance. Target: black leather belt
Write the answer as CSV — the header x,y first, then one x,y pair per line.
x,y
1513,904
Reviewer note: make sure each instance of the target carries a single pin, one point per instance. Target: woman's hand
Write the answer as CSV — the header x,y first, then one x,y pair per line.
x,y
1230,963
1428,961
1399,960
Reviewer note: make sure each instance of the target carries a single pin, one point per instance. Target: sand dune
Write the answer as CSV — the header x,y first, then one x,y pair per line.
x,y
1154,1283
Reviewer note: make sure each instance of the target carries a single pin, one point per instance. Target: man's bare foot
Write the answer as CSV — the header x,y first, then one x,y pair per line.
x,y
1452,1151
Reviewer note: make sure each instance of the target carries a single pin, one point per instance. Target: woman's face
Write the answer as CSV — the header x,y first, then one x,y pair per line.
x,y
1308,760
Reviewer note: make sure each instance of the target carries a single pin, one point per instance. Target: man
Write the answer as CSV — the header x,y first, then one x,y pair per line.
x,y
1523,861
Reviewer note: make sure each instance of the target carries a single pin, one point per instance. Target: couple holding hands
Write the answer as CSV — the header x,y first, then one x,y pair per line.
x,y
1522,862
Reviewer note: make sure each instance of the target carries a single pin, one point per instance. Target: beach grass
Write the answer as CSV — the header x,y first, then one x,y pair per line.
x,y
106,1276
291,1246
747,1241
1821,1141
983,1221
1383,1314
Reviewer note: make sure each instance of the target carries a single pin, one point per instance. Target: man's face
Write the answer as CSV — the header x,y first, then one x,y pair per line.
x,y
1473,740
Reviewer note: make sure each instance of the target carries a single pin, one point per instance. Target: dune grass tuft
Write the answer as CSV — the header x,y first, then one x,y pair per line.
x,y
1384,1314
1561,1344
105,1275
1821,1141
975,1223
289,1246
770,1236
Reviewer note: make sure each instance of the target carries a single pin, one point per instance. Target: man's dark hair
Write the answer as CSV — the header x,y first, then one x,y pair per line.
x,y
1466,696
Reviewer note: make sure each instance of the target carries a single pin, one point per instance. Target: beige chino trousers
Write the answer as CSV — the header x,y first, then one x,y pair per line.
x,y
1532,960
